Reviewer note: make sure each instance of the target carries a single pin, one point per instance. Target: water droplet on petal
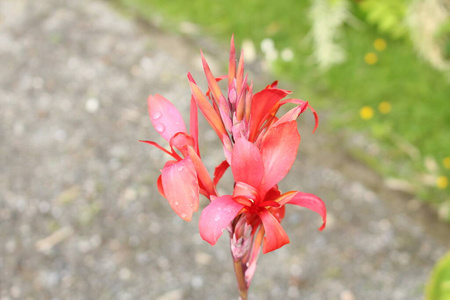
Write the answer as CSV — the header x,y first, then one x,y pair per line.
x,y
217,218
160,128
183,215
156,115
176,203
227,209
191,204
181,168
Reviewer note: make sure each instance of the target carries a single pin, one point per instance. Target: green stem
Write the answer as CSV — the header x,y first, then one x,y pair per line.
x,y
239,271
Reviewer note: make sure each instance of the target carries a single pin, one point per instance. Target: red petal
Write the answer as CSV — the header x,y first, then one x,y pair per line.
x,y
180,185
275,237
246,163
278,149
193,123
165,117
262,104
217,216
312,202
160,187
219,171
278,213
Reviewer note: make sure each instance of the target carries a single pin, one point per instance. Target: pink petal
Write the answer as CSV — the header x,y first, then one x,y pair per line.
x,y
275,237
216,217
246,163
180,186
311,202
278,149
165,117
262,104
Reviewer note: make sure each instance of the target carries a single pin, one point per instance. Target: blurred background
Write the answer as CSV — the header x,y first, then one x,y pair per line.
x,y
80,216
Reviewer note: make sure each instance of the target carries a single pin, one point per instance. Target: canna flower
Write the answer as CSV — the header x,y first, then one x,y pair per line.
x,y
184,177
259,147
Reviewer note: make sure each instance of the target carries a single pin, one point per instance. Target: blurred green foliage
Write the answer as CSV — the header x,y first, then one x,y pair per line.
x,y
387,15
438,287
413,136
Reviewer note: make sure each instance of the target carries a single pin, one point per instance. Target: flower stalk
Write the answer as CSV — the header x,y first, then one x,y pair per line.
x,y
259,147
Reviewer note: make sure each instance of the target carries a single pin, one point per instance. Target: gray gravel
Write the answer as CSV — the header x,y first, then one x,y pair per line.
x,y
80,217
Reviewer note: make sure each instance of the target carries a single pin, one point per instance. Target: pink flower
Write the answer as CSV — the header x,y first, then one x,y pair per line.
x,y
257,171
183,178
259,147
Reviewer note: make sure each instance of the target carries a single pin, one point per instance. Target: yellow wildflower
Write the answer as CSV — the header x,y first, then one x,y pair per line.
x,y
442,182
379,44
384,107
371,58
366,113
446,162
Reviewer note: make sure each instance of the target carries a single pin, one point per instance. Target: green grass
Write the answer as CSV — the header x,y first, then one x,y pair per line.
x,y
415,131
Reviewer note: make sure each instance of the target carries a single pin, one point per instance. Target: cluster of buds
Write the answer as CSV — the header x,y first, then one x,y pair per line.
x,y
259,147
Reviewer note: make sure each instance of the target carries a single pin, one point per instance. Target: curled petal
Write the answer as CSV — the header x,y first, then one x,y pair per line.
x,y
217,216
302,103
165,117
309,201
247,163
180,187
275,237
181,141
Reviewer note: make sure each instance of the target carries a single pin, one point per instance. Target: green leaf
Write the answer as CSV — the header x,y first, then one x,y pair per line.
x,y
438,287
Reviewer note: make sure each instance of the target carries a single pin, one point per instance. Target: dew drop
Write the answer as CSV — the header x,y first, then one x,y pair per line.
x,y
181,168
176,203
160,128
156,115
183,215
227,209
217,218
191,204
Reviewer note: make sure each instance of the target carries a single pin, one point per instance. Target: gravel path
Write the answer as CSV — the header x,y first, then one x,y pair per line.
x,y
80,217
